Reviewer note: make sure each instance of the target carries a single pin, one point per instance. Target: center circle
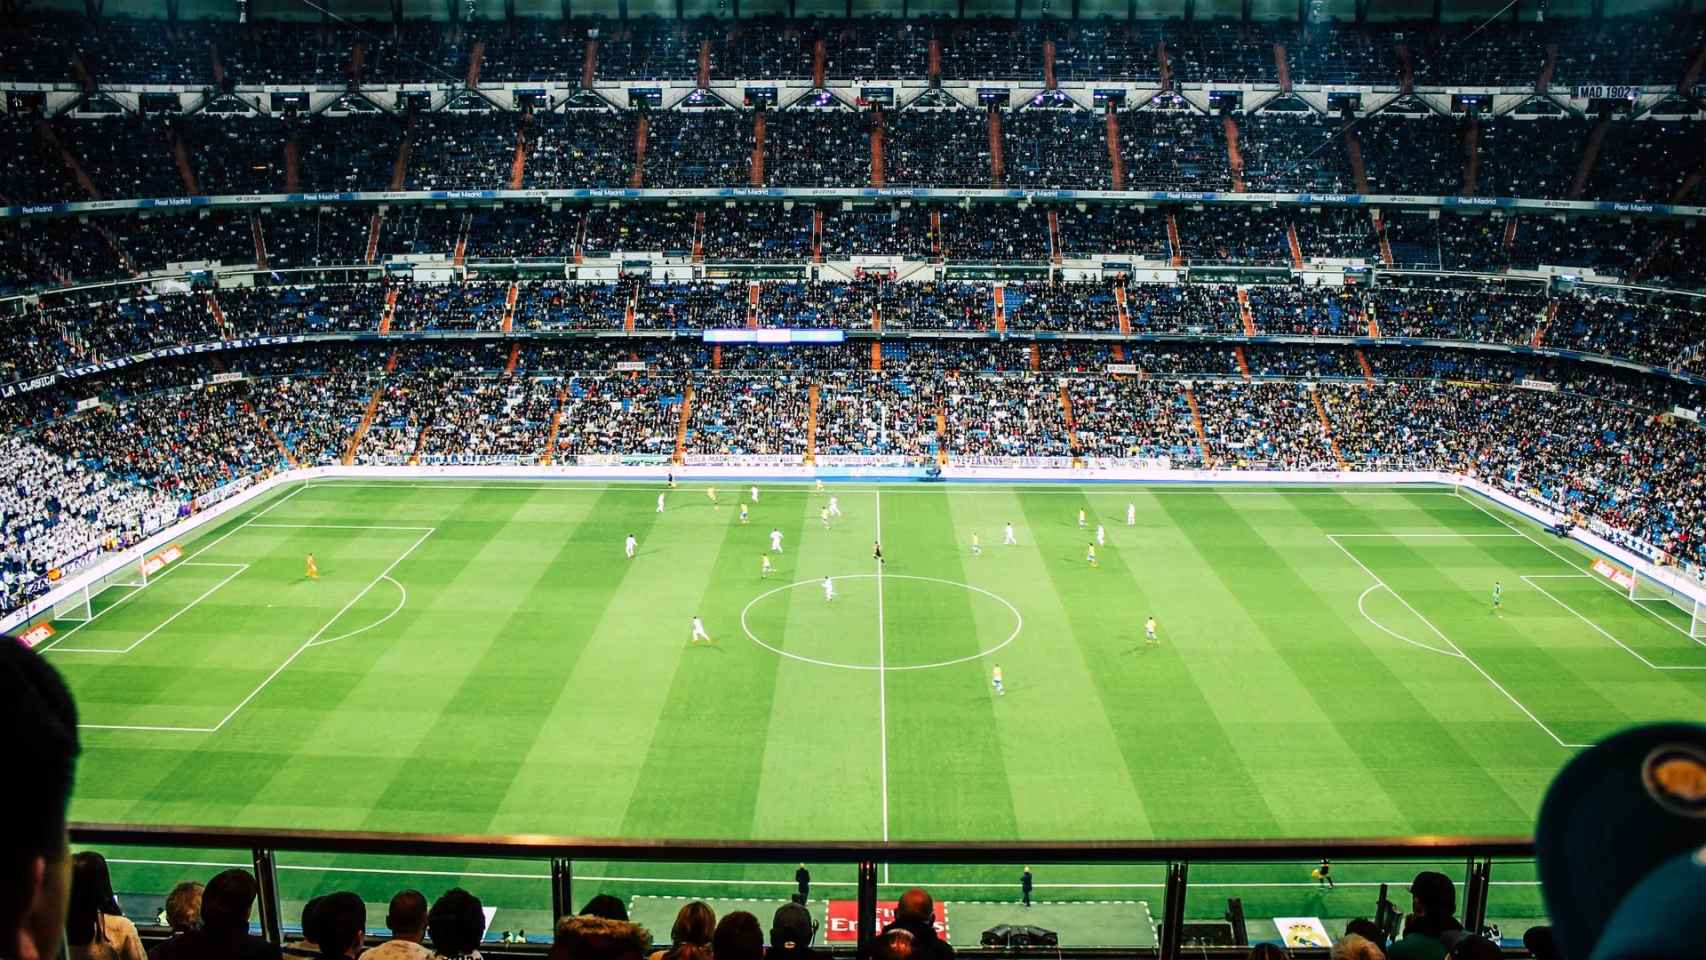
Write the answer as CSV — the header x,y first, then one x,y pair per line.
x,y
850,600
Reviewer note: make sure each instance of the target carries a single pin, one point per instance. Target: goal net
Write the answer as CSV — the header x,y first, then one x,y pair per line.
x,y
1650,590
93,597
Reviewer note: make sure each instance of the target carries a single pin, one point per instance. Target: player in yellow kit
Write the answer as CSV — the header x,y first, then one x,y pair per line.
x,y
743,517
764,570
313,568
712,493
995,680
1091,556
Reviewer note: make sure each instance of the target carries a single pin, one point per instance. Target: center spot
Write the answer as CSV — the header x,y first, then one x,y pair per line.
x,y
923,622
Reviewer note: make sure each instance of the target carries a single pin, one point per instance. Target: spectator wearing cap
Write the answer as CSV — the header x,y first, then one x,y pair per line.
x,y
587,937
224,934
1621,847
40,720
791,932
407,920
1431,928
456,925
916,914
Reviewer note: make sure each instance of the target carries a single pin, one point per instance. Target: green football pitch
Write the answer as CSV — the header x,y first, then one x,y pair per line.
x,y
483,658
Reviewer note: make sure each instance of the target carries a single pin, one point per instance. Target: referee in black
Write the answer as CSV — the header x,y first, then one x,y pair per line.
x,y
877,552
1025,885
803,877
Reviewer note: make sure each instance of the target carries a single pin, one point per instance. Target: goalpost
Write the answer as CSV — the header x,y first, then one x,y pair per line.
x,y
80,606
1645,588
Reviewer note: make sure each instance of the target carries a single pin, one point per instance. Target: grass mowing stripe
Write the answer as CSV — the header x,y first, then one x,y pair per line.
x,y
1075,773
947,778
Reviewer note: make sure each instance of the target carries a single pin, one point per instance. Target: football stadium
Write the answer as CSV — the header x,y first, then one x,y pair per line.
x,y
702,480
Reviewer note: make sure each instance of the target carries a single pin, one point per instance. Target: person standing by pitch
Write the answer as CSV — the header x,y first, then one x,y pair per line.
x,y
1025,885
803,877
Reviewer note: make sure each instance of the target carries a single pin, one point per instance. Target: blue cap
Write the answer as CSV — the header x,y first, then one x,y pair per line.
x,y
1662,918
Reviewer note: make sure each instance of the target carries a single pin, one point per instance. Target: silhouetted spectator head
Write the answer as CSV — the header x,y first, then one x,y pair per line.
x,y
915,908
183,907
1433,895
606,906
792,928
1367,929
738,937
1268,951
1475,948
227,901
600,938
695,922
40,721
406,918
457,923
343,924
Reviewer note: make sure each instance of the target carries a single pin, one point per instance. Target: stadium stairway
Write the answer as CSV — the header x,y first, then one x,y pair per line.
x,y
997,164
1196,423
373,226
1510,233
1543,82
1353,152
1386,258
998,307
1296,248
1164,63
386,312
357,64
1123,311
820,62
1071,424
933,63
1539,338
817,234
1048,66
628,310
420,440
876,355
70,159
514,358
1282,67
518,166
1116,163
1367,370
1373,324
681,428
936,234
1173,242
589,64
510,298
704,68
181,158
1243,361
556,424
699,236
752,289
755,175
879,164
293,164
811,424
1471,155
366,423
641,125
476,59
1036,358
113,245
1234,156
1054,234
1327,429
941,434
1590,155
1248,317
260,240
218,316
460,256
400,169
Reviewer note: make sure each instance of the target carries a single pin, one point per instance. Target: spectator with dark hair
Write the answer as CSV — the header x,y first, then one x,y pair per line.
x,y
791,932
606,906
224,933
309,945
40,721
1430,929
1367,929
1475,948
343,925
916,914
600,938
407,921
95,927
456,925
738,937
1268,951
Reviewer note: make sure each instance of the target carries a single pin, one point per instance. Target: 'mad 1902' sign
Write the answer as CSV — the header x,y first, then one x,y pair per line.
x,y
1600,91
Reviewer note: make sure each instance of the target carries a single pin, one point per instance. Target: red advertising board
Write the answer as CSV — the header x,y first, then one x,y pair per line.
x,y
36,635
843,919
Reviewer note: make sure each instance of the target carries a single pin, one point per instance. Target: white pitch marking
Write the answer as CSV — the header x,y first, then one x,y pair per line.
x,y
383,574
882,680
1573,563
1601,630
335,526
166,622
1478,669
402,601
1380,626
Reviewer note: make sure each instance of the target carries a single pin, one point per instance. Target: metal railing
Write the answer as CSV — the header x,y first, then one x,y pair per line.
x,y
1477,856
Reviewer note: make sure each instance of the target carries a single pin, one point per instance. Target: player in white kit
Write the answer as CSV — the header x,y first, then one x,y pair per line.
x,y
699,634
660,503
1131,514
631,545
828,589
775,540
1101,535
1008,539
835,506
